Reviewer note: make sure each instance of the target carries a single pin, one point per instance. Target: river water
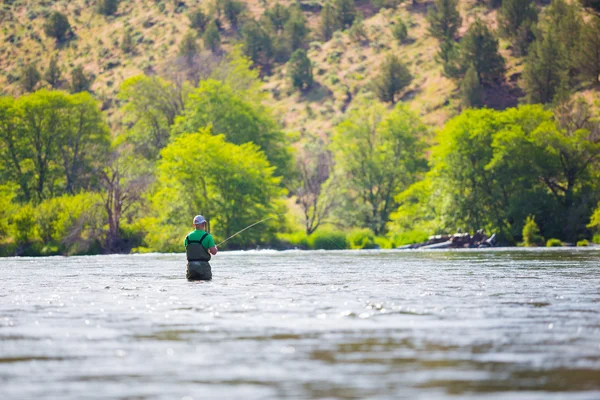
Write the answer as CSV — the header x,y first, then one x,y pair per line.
x,y
502,324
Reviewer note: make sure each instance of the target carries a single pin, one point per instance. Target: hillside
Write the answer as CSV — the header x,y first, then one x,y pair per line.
x,y
343,69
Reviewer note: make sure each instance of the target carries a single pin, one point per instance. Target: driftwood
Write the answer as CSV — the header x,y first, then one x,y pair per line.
x,y
456,241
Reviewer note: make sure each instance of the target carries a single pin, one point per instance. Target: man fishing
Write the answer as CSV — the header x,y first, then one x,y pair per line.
x,y
199,245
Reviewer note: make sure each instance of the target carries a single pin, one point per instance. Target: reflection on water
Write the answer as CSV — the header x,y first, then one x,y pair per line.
x,y
375,324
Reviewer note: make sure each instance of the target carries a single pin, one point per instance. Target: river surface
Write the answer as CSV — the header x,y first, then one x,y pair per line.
x,y
502,324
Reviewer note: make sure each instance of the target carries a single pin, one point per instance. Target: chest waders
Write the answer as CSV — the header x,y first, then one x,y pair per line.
x,y
198,257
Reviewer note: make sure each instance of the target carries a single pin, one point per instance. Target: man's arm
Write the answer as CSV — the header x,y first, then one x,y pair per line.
x,y
213,250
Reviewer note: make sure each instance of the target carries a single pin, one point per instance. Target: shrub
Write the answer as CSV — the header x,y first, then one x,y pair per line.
x,y
583,243
383,242
296,239
393,77
596,238
531,233
80,82
198,20
400,31
327,240
409,237
24,225
108,7
57,26
30,76
361,239
554,243
300,70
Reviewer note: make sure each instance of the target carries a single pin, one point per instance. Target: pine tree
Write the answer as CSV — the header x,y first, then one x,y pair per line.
x,y
546,74
515,19
393,77
198,20
471,89
53,72
448,55
444,19
57,26
300,70
296,30
589,54
212,38
127,43
480,48
188,48
258,45
108,7
346,12
564,20
278,15
328,23
232,10
357,32
400,31
80,82
30,77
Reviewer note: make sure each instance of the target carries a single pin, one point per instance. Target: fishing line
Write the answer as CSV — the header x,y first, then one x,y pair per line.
x,y
248,227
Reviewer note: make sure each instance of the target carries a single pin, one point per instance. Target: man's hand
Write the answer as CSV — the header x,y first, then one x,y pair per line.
x,y
213,250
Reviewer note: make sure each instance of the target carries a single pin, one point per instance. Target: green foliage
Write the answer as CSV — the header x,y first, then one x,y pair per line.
x,y
358,32
108,7
345,12
236,71
257,43
57,26
278,15
563,19
392,4
53,73
595,219
444,19
393,77
127,42
300,70
554,243
515,20
531,233
240,119
400,31
188,48
80,82
378,154
232,10
328,22
471,89
296,239
327,239
596,239
234,189
212,38
448,56
30,77
588,60
479,47
409,237
361,239
295,30
583,243
198,20
24,225
150,106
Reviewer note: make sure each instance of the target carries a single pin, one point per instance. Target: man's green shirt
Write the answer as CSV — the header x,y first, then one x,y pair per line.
x,y
197,234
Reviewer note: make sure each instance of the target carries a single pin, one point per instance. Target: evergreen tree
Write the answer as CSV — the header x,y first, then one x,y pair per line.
x,y
212,38
108,7
57,26
257,43
480,48
357,32
564,20
80,82
188,48
53,73
328,23
278,15
546,72
589,55
444,19
393,77
516,19
300,70
346,12
30,76
448,55
400,31
198,20
296,30
127,43
471,89
232,10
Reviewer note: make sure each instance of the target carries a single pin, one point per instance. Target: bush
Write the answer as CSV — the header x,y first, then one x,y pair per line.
x,y
108,7
596,238
583,243
24,225
409,237
80,82
383,243
296,239
300,70
400,31
531,233
554,243
361,239
327,240
57,26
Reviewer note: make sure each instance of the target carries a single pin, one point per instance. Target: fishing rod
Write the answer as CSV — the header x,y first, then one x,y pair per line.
x,y
248,227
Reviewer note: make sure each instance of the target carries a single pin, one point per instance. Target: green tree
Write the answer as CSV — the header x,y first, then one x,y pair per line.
x,y
53,72
393,77
515,20
188,48
480,48
358,32
345,12
563,19
400,31
57,26
589,55
232,10
212,38
150,106
531,233
278,15
448,56
444,19
80,82
471,89
300,70
545,75
108,7
198,20
237,188
257,44
30,77
378,154
127,42
296,30
328,23
239,118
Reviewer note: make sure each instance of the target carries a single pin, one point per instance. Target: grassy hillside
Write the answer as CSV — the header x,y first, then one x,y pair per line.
x,y
343,68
